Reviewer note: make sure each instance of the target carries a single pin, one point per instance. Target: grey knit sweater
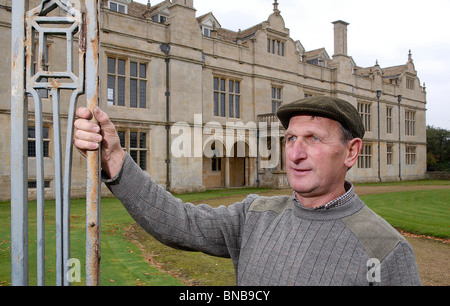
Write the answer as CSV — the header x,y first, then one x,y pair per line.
x,y
274,241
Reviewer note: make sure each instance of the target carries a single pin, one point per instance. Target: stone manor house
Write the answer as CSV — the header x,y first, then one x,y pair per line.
x,y
194,102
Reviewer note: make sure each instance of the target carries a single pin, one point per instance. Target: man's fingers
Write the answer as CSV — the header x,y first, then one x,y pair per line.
x,y
84,120
103,119
84,113
85,145
87,136
88,126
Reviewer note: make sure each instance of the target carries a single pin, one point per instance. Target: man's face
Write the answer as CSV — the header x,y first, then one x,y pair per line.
x,y
315,159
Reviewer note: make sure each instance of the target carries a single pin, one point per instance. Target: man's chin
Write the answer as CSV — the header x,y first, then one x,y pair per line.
x,y
303,189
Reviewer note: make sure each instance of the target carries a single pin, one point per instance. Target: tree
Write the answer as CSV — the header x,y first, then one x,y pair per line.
x,y
438,143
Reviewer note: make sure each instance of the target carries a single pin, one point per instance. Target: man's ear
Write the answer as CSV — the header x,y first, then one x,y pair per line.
x,y
354,147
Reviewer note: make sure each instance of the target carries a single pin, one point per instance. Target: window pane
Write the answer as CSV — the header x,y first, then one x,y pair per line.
x,y
237,87
121,67
121,91
31,132
142,94
231,106
113,6
214,164
111,88
45,148
143,140
238,106
143,71
222,105
216,104
121,8
231,86
122,138
45,132
133,93
111,65
133,140
143,160
134,156
222,85
31,148
133,69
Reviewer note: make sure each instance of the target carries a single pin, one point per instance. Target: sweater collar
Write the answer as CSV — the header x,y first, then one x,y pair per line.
x,y
340,200
342,206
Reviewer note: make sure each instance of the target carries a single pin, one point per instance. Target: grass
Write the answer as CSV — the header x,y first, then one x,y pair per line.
x,y
131,257
121,260
424,212
409,183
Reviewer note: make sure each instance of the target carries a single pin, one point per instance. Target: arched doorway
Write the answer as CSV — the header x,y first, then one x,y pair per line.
x,y
222,171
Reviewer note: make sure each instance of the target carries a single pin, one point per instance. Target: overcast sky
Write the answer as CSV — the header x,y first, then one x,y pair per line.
x,y
383,30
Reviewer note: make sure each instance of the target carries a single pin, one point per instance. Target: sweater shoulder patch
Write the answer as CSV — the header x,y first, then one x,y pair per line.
x,y
276,204
376,235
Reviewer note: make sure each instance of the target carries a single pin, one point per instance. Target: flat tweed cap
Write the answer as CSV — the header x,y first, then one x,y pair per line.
x,y
323,106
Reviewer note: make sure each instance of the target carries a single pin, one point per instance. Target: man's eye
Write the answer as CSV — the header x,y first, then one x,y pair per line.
x,y
292,138
315,138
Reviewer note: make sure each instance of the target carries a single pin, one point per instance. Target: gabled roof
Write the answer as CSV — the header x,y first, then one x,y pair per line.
x,y
233,36
229,35
136,9
141,10
388,72
208,17
317,53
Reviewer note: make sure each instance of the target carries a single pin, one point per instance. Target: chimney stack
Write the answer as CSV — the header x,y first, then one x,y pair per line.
x,y
340,37
188,3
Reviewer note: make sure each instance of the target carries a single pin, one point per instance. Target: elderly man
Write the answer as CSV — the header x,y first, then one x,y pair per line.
x,y
321,235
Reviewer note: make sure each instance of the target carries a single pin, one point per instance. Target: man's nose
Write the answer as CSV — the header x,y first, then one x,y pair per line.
x,y
297,152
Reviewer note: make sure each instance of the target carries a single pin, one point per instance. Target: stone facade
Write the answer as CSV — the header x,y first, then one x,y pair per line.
x,y
192,100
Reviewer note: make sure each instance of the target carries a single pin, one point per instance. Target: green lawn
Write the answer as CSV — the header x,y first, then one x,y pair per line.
x,y
121,260
423,212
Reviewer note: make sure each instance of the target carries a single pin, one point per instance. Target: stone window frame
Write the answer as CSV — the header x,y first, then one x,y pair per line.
x,y
121,94
227,103
138,152
365,157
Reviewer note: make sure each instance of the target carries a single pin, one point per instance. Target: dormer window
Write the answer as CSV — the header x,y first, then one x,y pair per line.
x,y
318,57
208,24
159,18
117,7
207,31
317,62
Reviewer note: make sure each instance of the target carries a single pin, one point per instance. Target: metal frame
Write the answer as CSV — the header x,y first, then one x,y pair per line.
x,y
38,24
